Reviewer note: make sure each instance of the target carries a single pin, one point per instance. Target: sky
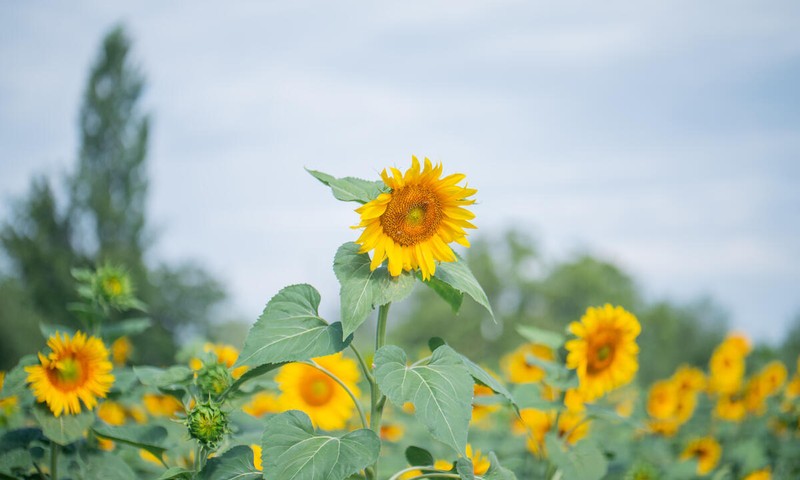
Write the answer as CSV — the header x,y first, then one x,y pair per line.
x,y
663,136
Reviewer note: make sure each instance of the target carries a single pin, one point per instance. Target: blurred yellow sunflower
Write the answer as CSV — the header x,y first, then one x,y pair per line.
x,y
76,370
225,354
480,464
414,222
520,369
261,404
773,376
727,367
689,379
159,405
763,474
605,352
706,450
479,410
535,423
257,457
7,404
112,413
306,388
755,395
573,426
121,351
662,399
392,432
730,408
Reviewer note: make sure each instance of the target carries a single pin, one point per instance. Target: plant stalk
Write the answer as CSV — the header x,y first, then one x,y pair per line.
x,y
53,460
377,400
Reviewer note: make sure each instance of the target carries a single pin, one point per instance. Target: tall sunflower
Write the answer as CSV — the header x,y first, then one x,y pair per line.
x,y
414,222
306,388
706,450
605,350
76,369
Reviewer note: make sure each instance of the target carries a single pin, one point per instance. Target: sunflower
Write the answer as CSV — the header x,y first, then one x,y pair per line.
x,y
159,405
535,423
112,413
306,388
392,432
763,474
727,367
520,369
261,404
605,352
479,410
480,464
414,222
730,408
689,379
706,450
121,351
773,376
573,426
662,400
257,457
76,369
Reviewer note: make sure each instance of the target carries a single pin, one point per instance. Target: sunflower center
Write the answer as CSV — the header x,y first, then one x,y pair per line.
x,y
68,371
317,391
602,358
113,286
412,216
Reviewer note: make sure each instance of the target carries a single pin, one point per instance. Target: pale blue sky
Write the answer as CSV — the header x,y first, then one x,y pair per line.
x,y
662,135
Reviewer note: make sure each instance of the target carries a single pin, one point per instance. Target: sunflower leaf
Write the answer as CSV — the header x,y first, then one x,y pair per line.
x,y
441,391
418,456
458,275
291,449
465,469
350,189
148,437
108,467
541,336
496,471
290,329
16,379
65,428
583,461
161,378
453,296
235,463
363,289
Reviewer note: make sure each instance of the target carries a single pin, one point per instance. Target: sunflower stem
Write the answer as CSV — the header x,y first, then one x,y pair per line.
x,y
378,400
53,460
364,368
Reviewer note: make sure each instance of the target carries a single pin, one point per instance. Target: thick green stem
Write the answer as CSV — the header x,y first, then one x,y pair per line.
x,y
377,400
53,460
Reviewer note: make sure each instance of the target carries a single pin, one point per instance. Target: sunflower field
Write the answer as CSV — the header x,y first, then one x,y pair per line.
x,y
299,400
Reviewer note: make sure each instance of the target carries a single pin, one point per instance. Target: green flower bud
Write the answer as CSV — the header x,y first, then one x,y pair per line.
x,y
207,423
642,471
214,378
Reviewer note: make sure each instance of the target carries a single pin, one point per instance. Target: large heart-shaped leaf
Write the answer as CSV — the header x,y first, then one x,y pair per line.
x,y
363,289
441,391
65,428
290,329
350,189
291,450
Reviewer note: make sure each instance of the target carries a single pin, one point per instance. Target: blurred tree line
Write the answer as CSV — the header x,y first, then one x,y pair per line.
x,y
524,289
103,220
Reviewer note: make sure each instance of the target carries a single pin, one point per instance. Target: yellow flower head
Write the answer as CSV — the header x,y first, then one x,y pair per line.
x,y
573,426
727,366
689,379
7,404
392,432
480,463
763,474
306,388
159,405
479,411
521,370
226,355
261,404
773,376
112,413
535,423
414,222
76,369
605,352
730,408
738,343
755,395
667,427
257,457
662,400
121,350
706,450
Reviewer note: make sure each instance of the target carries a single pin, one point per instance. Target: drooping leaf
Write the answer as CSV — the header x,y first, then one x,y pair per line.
x,y
178,473
65,428
582,461
290,329
485,378
292,450
362,289
530,395
458,275
149,437
350,189
108,467
249,375
235,464
496,471
163,378
453,296
464,468
441,391
540,336
13,460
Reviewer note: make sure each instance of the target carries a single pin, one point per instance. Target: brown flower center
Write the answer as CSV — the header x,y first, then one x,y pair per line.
x,y
601,351
67,373
317,391
412,216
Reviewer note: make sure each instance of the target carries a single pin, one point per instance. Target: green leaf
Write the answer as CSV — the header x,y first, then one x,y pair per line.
x,y
350,189
16,378
291,449
363,289
290,329
64,429
440,390
418,457
449,294
529,395
236,463
496,471
556,374
459,276
177,473
249,375
540,336
485,378
15,460
464,468
129,327
149,437
19,438
108,467
584,461
48,330
161,378
124,380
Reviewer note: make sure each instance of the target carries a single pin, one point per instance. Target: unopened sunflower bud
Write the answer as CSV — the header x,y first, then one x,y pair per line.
x,y
214,378
207,423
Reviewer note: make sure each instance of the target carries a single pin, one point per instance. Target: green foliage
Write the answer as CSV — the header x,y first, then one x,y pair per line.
x,y
583,461
290,329
291,449
163,378
440,390
148,437
459,277
349,189
207,423
236,463
65,428
363,289
497,471
108,467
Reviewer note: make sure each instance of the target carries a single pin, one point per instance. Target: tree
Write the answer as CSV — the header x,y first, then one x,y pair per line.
x,y
104,220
